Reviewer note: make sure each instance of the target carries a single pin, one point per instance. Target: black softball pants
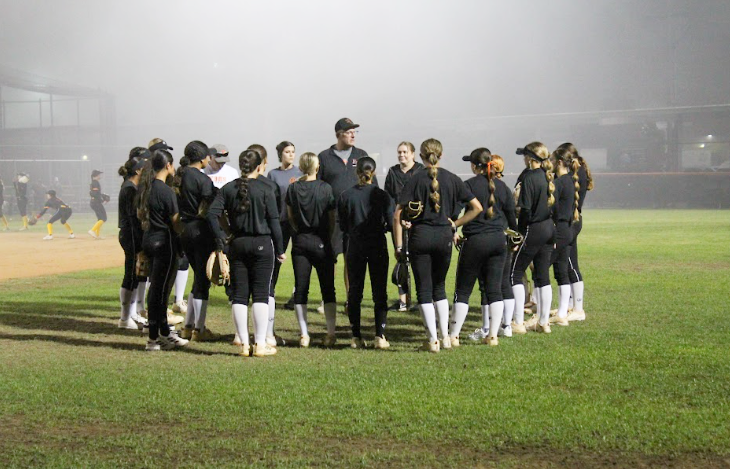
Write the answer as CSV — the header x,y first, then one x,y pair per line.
x,y
537,248
98,207
22,206
430,251
160,249
198,242
252,264
370,254
573,269
309,250
561,254
131,247
286,235
63,214
507,293
481,257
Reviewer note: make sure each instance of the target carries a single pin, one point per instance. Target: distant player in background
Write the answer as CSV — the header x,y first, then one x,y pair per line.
x,y
20,182
218,171
98,199
63,213
2,201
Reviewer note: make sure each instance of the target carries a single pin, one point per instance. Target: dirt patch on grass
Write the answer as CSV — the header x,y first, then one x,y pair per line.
x,y
26,254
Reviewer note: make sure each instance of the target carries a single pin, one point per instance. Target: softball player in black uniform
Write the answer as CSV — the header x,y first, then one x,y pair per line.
x,y
432,235
63,213
20,182
484,250
534,222
98,199
365,214
397,177
311,210
130,238
260,171
196,195
160,219
565,212
253,217
2,201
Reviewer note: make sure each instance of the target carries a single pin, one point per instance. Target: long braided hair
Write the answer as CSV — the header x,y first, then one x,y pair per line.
x,y
578,161
248,161
431,151
160,159
482,159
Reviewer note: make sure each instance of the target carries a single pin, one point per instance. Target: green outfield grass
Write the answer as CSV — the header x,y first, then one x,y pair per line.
x,y
644,381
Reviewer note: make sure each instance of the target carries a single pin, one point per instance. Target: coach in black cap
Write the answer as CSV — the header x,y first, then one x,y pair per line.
x,y
337,167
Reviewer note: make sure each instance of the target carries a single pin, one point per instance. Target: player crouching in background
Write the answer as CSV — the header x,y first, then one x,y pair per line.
x,y
63,213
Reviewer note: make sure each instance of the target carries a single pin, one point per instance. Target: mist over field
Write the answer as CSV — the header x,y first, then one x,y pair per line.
x,y
238,72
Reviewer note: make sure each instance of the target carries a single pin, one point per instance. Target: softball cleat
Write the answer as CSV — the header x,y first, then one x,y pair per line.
x,y
171,341
518,328
330,340
245,350
48,237
478,335
454,341
128,324
357,342
559,321
432,347
93,234
304,341
491,341
446,343
577,316
72,236
187,333
205,335
263,350
381,343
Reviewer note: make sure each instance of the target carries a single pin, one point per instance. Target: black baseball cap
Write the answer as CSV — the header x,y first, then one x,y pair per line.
x,y
479,157
140,152
529,153
159,144
96,172
345,124
220,153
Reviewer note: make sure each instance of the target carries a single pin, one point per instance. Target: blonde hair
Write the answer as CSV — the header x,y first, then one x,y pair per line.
x,y
539,149
498,166
431,151
408,145
308,163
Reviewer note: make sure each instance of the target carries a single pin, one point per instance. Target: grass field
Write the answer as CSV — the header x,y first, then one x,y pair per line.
x,y
644,382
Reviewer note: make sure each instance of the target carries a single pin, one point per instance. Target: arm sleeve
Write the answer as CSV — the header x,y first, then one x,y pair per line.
x,y
214,211
207,192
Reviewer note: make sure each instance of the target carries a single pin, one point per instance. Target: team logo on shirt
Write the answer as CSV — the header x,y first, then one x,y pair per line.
x,y
260,248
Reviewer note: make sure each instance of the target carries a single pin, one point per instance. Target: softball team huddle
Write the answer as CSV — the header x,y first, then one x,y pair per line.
x,y
330,205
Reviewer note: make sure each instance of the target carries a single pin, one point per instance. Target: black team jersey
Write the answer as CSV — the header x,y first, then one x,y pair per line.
x,y
53,203
261,219
195,188
504,207
365,212
311,202
564,199
533,201
162,206
396,179
95,191
454,194
275,187
128,220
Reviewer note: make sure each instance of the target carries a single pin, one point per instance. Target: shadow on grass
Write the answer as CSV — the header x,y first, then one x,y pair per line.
x,y
55,308
52,323
78,342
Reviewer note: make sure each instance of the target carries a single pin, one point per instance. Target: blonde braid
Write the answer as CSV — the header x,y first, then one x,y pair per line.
x,y
574,166
547,166
431,151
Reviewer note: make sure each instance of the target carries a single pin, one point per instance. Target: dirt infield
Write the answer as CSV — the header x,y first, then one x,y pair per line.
x,y
26,254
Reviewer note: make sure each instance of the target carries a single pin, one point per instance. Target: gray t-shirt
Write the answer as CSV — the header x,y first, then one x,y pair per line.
x,y
283,178
343,154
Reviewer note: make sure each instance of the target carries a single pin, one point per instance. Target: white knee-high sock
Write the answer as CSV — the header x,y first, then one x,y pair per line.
x,y
509,309
519,311
142,295
428,314
125,298
485,318
240,321
330,316
301,311
496,310
201,311
133,306
272,312
459,316
190,312
570,301
564,291
181,281
442,310
546,298
261,322
577,296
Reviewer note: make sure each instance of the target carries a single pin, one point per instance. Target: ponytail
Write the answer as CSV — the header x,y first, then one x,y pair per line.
x,y
491,201
547,166
308,164
158,161
431,151
574,167
248,161
589,178
365,170
181,170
